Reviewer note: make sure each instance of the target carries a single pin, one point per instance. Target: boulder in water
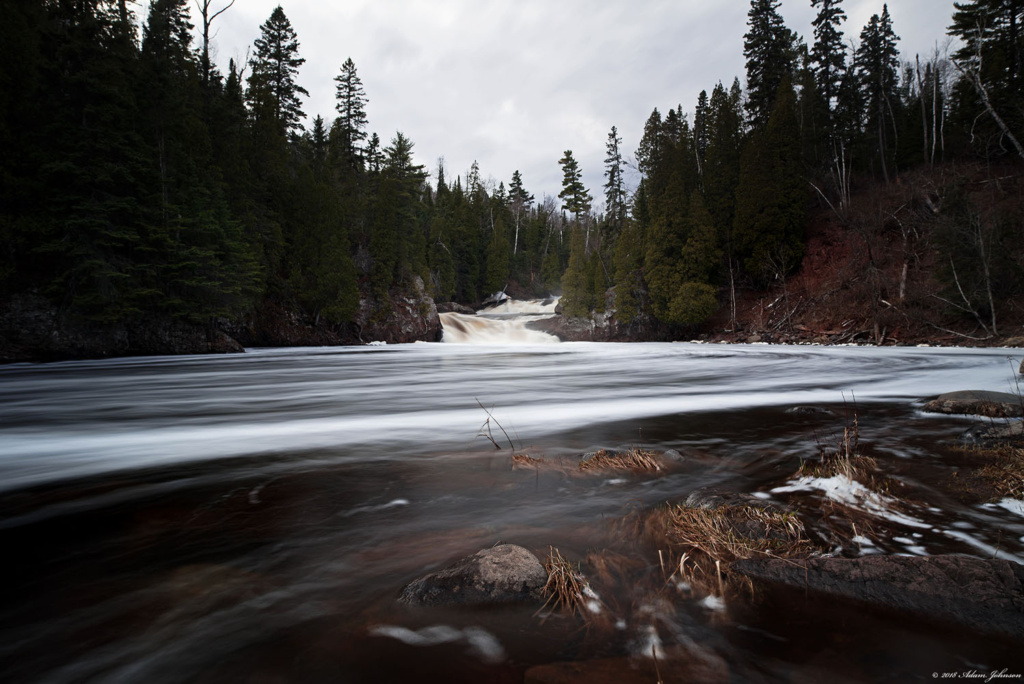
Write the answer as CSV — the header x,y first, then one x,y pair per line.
x,y
983,595
977,403
502,574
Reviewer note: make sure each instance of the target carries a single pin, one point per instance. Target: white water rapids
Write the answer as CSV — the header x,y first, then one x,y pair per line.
x,y
501,324
70,419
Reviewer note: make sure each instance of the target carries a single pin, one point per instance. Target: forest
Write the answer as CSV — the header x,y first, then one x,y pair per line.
x,y
138,180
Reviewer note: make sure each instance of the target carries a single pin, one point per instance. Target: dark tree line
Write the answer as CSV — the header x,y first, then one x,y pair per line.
x,y
137,178
724,197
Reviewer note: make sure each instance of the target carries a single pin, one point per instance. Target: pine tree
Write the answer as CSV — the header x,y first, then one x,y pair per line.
x,y
576,287
991,65
497,258
700,130
92,168
767,47
614,187
771,198
351,106
575,198
877,61
273,93
519,202
828,56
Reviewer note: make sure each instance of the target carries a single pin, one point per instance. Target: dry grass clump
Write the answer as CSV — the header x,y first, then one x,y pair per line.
x,y
710,539
843,460
525,461
630,459
731,533
566,589
1006,472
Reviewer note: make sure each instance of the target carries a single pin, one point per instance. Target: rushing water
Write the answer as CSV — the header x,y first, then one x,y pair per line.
x,y
252,517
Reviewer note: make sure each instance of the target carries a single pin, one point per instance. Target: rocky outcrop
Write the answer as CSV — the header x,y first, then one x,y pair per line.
x,y
406,317
454,307
977,403
602,327
982,595
32,329
503,574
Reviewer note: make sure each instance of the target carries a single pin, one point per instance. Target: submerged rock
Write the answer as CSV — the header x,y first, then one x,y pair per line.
x,y
983,595
977,403
501,574
993,435
810,411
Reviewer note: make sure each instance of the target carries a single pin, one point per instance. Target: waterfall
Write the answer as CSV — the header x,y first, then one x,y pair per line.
x,y
504,323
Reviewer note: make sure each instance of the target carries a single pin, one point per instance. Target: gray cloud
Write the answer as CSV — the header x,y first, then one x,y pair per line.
x,y
513,84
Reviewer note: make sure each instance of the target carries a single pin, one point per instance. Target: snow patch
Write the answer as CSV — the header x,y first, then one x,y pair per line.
x,y
852,493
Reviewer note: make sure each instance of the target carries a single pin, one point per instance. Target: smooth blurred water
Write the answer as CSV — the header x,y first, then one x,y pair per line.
x,y
66,420
252,517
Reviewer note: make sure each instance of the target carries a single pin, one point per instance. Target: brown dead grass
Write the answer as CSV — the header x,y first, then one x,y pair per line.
x,y
634,459
525,461
704,542
1006,471
566,586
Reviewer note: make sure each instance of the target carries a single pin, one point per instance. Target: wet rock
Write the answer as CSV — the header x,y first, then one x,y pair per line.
x,y
989,435
977,403
983,595
454,307
713,498
810,411
502,574
33,329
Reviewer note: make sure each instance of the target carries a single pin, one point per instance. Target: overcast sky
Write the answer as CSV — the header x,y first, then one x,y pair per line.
x,y
515,83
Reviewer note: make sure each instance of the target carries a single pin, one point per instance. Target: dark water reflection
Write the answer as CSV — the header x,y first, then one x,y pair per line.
x,y
251,518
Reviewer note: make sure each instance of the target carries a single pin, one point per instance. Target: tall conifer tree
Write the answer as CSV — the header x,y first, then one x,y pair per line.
x,y
767,45
273,92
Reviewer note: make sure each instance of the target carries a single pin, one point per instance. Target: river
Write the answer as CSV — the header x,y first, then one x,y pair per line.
x,y
252,517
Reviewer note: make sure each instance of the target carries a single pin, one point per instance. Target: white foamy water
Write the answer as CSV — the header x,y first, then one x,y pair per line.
x,y
65,420
463,329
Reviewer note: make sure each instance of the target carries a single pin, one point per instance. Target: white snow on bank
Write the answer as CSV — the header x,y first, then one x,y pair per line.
x,y
852,493
481,642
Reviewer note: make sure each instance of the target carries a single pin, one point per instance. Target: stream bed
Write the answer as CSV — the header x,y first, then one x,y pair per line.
x,y
253,517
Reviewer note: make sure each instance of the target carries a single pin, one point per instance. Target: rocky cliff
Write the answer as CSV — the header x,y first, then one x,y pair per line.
x,y
33,329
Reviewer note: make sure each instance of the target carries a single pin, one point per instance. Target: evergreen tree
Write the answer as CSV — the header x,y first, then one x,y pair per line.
x,y
351,106
519,202
828,56
576,288
771,197
991,65
273,93
701,132
614,187
877,61
767,47
497,258
398,243
88,240
574,196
